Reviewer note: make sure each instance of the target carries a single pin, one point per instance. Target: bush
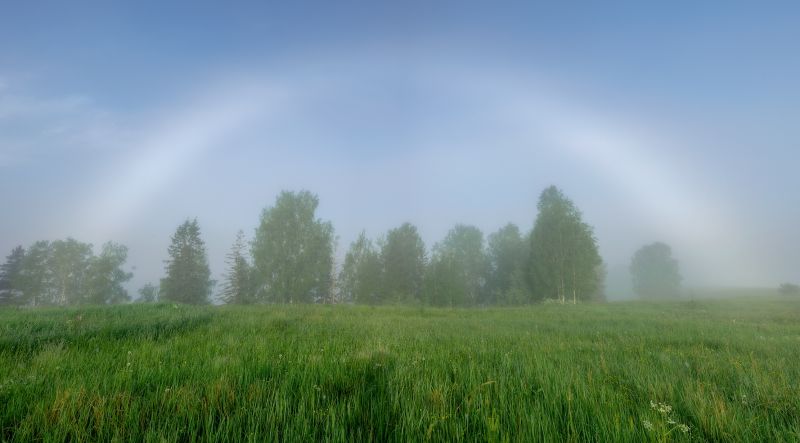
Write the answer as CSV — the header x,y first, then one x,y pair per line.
x,y
789,289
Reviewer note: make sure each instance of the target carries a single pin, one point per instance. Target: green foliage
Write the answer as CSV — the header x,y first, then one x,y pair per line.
x,y
10,277
36,281
293,251
507,255
655,273
148,293
361,275
403,260
616,372
458,269
238,286
106,276
564,259
69,262
188,278
66,272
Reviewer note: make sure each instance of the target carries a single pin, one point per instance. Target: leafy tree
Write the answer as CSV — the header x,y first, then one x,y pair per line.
x,y
10,274
106,275
237,287
188,278
654,272
460,267
360,278
36,277
507,255
69,264
443,287
293,251
789,289
564,259
148,293
403,260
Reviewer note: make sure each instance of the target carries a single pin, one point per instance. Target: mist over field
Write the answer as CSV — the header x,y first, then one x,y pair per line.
x,y
376,221
662,124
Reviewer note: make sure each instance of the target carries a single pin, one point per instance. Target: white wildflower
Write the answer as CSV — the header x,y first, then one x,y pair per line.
x,y
647,425
662,408
684,428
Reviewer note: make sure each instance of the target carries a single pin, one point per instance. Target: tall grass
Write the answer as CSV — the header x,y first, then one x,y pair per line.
x,y
726,369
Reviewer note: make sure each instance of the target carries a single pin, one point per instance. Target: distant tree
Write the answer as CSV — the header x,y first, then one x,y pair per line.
x,y
564,258
237,287
106,275
442,284
655,274
10,277
601,273
293,251
148,293
507,254
69,265
36,277
188,278
789,289
460,268
403,261
361,275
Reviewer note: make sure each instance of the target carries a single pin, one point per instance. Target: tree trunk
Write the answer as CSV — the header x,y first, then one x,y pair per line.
x,y
574,284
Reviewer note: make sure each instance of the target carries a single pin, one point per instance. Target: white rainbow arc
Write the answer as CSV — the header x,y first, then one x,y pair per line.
x,y
169,150
615,152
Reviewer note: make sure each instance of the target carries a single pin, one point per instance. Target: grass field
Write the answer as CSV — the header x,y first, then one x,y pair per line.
x,y
729,370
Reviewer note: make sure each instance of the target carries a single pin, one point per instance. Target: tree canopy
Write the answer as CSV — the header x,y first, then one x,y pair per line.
x,y
564,260
293,251
237,286
654,272
507,255
360,278
458,268
188,278
64,272
403,261
10,274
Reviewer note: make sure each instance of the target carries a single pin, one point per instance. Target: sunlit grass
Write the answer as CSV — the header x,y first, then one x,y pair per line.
x,y
727,370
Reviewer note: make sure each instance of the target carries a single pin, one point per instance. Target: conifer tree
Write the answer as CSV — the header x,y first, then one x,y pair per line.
x,y
188,278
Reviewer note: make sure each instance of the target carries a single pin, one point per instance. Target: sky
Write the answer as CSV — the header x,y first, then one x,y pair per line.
x,y
673,122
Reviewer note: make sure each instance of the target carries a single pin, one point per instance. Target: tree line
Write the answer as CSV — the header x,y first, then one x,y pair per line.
x,y
64,272
291,260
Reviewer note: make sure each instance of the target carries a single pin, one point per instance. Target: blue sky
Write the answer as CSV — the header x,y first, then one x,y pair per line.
x,y
675,122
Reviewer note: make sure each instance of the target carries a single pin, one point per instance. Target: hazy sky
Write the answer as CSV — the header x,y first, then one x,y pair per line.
x,y
675,122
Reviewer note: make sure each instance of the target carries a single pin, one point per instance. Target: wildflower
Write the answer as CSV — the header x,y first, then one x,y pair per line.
x,y
662,408
647,425
684,428
671,421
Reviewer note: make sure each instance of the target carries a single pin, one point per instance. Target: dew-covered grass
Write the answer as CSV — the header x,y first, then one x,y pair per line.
x,y
713,370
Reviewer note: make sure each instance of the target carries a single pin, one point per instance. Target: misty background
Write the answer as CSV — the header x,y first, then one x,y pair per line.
x,y
673,123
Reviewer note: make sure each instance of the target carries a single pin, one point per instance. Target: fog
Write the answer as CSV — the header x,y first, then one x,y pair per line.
x,y
681,137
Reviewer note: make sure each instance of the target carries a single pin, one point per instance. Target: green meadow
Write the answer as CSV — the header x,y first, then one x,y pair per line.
x,y
706,370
